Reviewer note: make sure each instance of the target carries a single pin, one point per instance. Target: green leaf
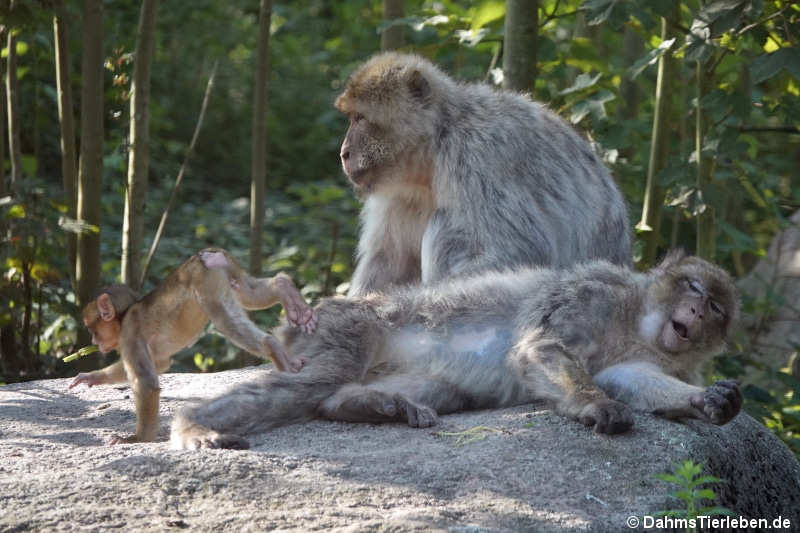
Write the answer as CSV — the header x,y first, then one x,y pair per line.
x,y
706,494
715,511
649,59
669,478
595,105
487,12
599,10
582,81
767,66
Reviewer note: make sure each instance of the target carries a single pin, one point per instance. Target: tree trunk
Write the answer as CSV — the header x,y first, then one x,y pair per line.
x,y
519,45
259,148
659,148
706,220
14,148
139,153
90,177
65,117
3,187
632,49
392,38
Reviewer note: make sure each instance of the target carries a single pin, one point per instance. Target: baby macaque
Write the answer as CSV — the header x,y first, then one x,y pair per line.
x,y
209,286
597,340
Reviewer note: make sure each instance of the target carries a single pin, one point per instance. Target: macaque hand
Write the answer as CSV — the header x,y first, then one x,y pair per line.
x,y
607,416
90,378
282,359
299,314
720,402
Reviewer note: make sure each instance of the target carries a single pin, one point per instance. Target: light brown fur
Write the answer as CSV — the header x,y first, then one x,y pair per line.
x,y
209,286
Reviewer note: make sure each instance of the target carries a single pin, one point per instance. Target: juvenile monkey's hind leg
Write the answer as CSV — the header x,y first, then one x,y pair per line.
x,y
232,321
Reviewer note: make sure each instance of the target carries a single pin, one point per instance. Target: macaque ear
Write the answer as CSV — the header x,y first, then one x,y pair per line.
x,y
672,259
106,308
418,86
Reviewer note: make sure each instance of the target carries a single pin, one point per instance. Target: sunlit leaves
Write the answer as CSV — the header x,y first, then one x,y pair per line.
x,y
488,11
650,59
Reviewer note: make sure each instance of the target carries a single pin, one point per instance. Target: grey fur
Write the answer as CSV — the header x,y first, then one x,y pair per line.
x,y
503,181
497,339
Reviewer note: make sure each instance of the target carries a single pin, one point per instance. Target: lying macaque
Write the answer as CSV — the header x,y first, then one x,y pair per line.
x,y
597,340
209,286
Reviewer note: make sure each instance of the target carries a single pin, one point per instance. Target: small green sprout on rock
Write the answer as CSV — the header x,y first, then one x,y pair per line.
x,y
687,476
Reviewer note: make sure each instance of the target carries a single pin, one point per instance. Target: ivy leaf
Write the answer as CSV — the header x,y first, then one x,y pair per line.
x,y
582,81
649,59
594,105
767,66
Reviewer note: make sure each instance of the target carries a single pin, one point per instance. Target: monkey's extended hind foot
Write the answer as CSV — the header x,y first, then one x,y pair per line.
x,y
197,437
417,416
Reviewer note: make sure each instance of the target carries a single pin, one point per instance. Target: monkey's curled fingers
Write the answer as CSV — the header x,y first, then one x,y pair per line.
x,y
90,378
284,360
298,312
607,416
720,402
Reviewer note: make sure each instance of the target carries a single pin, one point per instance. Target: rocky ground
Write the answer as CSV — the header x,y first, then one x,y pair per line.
x,y
517,469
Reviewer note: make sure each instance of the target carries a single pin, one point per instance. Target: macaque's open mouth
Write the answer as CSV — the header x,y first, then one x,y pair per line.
x,y
680,330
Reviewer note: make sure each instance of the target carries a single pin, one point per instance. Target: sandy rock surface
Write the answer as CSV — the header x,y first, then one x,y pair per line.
x,y
525,469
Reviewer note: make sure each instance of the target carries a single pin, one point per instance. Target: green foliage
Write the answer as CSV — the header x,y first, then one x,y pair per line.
x,y
687,476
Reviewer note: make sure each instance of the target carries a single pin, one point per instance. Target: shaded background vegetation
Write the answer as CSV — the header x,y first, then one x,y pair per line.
x,y
729,91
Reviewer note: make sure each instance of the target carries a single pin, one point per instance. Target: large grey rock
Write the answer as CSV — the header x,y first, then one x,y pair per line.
x,y
533,471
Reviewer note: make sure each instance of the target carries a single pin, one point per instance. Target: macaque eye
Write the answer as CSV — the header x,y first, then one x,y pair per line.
x,y
716,307
696,287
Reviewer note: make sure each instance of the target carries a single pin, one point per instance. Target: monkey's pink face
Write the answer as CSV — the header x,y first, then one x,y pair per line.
x,y
696,320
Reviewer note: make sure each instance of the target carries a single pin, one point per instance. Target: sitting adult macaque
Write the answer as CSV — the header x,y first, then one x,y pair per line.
x,y
596,340
209,286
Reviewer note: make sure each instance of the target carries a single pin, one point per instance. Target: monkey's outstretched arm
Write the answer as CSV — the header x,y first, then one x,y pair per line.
x,y
552,375
113,373
646,387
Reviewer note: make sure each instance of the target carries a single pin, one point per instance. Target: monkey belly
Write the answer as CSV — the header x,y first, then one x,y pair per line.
x,y
472,357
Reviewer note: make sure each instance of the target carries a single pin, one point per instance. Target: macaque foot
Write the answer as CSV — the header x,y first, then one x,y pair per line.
x,y
417,416
118,439
607,416
296,364
720,402
216,440
298,313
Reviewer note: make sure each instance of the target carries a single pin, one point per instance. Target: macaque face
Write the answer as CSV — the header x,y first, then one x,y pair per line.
x,y
364,154
104,334
101,320
697,318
